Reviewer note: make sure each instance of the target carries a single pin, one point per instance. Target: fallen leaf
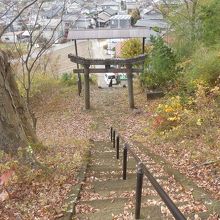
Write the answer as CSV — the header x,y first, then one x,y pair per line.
x,y
5,177
4,196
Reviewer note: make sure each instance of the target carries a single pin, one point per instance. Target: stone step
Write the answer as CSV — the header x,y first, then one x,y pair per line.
x,y
103,155
113,189
153,213
112,161
201,215
106,196
109,208
114,166
108,158
102,144
103,209
112,175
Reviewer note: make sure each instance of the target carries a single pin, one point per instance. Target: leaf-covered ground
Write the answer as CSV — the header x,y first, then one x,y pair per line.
x,y
65,128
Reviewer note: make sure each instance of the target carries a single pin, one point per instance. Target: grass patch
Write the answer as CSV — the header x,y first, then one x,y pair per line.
x,y
12,50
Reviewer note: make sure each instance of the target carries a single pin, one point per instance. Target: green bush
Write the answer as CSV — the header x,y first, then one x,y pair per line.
x,y
40,83
69,79
209,22
160,67
205,66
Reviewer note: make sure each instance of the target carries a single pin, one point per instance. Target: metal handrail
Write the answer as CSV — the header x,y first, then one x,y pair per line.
x,y
137,159
142,170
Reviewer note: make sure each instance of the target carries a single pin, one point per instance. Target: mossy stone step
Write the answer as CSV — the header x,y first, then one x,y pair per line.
x,y
201,215
104,155
110,167
114,185
106,209
111,175
101,145
103,151
103,215
153,213
112,160
111,164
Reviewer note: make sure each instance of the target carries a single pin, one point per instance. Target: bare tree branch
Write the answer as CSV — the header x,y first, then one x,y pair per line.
x,y
17,16
7,10
30,61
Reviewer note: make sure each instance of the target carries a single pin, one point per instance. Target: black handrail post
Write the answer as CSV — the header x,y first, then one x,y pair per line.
x,y
113,138
111,133
139,185
117,147
125,157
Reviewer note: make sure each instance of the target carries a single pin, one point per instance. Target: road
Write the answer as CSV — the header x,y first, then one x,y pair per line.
x,y
58,53
98,52
60,63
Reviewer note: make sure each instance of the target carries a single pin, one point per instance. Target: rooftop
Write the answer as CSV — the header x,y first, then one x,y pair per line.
x,y
109,33
121,17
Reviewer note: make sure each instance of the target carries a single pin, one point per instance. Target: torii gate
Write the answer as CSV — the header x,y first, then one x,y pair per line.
x,y
127,63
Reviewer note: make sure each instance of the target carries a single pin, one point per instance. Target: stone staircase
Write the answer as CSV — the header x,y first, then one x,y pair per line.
x,y
105,196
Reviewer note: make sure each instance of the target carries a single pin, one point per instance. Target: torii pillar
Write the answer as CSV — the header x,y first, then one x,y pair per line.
x,y
87,87
130,85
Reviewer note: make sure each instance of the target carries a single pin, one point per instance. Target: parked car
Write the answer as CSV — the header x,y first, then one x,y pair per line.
x,y
122,76
110,76
123,79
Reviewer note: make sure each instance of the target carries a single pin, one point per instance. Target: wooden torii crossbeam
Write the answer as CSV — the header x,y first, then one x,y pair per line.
x,y
127,63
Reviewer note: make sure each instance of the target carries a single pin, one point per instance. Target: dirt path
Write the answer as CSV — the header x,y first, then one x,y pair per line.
x,y
60,60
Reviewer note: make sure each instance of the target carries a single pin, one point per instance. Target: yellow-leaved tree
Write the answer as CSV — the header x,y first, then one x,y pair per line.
x,y
131,48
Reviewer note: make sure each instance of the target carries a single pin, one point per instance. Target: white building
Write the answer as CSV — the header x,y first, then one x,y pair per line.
x,y
52,29
12,37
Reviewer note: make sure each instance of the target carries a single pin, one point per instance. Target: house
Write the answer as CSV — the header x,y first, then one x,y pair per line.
x,y
111,4
152,24
80,2
69,20
53,12
12,37
120,21
73,7
131,6
150,13
83,22
33,20
52,29
103,19
170,2
110,11
47,6
15,26
152,19
85,11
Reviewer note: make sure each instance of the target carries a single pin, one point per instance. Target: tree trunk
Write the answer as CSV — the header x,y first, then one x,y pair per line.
x,y
15,127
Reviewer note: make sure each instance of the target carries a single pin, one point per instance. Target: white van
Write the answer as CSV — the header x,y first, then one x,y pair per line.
x,y
110,76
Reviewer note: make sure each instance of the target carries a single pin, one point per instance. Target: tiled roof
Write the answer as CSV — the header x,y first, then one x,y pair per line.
x,y
121,17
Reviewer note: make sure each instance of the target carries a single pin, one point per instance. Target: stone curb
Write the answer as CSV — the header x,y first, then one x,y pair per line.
x,y
74,193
